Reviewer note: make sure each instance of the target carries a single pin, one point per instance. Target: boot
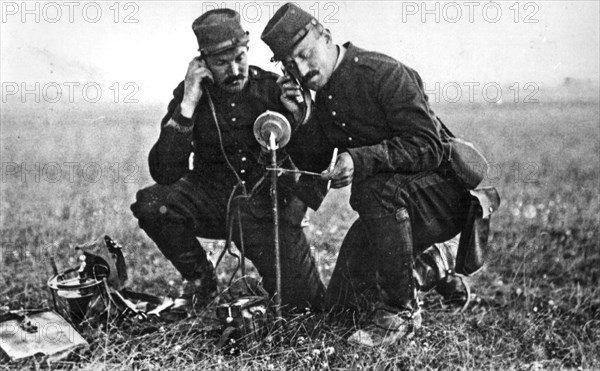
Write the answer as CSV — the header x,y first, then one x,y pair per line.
x,y
434,268
455,292
388,325
199,287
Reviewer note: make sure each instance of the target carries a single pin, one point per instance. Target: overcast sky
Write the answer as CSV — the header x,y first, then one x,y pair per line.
x,y
149,43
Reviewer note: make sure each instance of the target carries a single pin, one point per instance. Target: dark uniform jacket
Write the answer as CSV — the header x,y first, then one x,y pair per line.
x,y
169,158
375,108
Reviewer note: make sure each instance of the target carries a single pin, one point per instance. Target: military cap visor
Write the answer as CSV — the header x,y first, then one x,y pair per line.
x,y
218,30
286,29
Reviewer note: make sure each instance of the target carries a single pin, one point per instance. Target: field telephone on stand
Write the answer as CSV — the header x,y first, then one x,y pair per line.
x,y
272,131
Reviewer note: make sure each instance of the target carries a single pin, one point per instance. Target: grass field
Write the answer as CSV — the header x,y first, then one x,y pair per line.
x,y
537,301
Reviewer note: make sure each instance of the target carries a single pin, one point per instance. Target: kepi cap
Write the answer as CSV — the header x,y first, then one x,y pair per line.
x,y
218,30
288,27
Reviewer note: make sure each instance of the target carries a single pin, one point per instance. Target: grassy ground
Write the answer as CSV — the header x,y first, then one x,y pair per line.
x,y
537,301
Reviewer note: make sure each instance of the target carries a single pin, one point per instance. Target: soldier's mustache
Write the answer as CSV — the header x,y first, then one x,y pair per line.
x,y
232,79
309,76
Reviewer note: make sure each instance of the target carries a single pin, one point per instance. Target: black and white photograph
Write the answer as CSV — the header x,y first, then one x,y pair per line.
x,y
308,185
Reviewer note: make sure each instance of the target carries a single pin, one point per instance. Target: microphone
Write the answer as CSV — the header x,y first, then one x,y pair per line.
x,y
272,129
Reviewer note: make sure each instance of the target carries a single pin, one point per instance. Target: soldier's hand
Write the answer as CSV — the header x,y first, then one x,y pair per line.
x,y
197,71
291,96
342,173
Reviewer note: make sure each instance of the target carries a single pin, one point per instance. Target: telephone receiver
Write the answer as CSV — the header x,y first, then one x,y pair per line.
x,y
206,84
206,81
304,99
294,75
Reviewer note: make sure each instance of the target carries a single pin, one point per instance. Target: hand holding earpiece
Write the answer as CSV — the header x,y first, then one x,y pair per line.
x,y
193,90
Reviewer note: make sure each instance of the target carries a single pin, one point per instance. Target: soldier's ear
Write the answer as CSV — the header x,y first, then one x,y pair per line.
x,y
327,35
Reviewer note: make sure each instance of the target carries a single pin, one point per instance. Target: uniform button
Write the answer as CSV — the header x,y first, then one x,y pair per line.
x,y
232,104
243,182
333,113
343,124
330,97
355,59
233,119
243,171
349,139
240,150
243,158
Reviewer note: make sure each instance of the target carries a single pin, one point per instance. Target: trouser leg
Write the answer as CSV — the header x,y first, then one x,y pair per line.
x,y
392,243
352,282
300,281
404,215
172,216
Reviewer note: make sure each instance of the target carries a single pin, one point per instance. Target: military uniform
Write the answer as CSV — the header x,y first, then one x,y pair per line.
x,y
374,108
189,203
186,204
406,194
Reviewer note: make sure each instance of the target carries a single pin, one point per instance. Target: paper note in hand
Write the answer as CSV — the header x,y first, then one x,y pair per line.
x,y
332,165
